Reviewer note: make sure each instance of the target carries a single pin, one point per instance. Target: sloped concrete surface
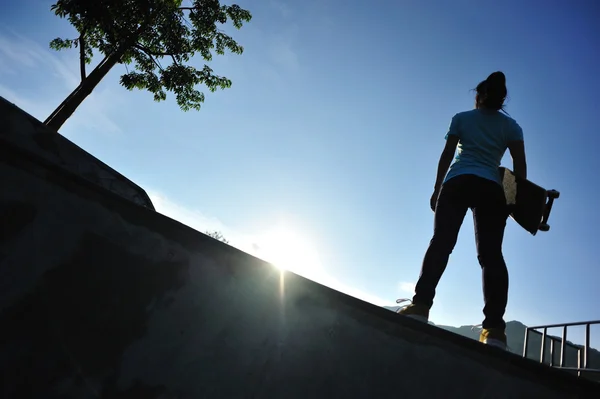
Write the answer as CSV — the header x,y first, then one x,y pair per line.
x,y
100,297
27,133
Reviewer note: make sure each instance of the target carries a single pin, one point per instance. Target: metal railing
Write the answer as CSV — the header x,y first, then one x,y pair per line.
x,y
583,363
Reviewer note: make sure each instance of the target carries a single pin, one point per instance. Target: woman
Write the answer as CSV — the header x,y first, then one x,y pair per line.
x,y
473,182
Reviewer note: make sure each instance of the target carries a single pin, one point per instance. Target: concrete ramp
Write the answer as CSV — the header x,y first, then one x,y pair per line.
x,y
103,298
29,134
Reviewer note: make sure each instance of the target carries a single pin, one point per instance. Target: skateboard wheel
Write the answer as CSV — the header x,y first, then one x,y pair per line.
x,y
544,227
553,194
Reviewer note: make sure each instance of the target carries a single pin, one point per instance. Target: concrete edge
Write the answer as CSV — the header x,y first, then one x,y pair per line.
x,y
141,192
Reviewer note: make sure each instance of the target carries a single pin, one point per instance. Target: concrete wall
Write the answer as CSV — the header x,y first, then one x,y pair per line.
x,y
100,297
27,133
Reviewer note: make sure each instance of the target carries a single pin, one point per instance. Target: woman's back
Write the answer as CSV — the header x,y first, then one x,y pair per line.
x,y
483,136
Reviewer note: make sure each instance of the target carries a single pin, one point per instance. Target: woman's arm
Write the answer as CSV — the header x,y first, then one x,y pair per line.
x,y
445,160
517,152
443,165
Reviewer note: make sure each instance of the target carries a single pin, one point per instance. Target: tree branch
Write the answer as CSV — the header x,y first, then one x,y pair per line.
x,y
82,57
188,23
152,53
149,54
156,63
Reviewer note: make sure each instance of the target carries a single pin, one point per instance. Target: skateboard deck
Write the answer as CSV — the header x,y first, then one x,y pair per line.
x,y
528,204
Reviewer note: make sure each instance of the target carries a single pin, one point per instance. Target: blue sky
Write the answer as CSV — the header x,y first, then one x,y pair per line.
x,y
326,145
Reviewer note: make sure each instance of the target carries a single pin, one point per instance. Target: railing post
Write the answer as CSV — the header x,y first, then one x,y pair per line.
x,y
563,347
578,362
526,343
542,352
587,347
583,351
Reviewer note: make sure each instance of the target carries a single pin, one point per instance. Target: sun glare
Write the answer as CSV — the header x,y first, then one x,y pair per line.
x,y
288,250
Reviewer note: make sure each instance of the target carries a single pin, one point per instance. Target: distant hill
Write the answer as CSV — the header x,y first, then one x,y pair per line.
x,y
515,335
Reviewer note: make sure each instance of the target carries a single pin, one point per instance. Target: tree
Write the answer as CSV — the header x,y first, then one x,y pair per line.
x,y
143,33
216,235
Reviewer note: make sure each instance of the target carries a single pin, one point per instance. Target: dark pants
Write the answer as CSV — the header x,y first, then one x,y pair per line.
x,y
486,199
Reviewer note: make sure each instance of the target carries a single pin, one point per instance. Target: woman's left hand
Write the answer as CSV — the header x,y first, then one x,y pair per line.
x,y
433,200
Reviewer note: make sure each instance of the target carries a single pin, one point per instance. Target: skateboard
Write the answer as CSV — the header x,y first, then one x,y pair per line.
x,y
528,204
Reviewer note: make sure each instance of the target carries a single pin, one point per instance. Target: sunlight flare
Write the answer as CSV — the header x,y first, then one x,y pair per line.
x,y
289,250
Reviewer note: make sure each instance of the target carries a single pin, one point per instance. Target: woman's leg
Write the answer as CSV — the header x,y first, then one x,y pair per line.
x,y
451,208
490,214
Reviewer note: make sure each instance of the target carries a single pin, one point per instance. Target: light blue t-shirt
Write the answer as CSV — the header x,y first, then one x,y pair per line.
x,y
483,137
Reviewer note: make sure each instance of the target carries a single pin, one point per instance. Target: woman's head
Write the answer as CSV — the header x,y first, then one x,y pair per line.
x,y
491,92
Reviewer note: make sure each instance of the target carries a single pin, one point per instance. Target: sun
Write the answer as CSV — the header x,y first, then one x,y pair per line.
x,y
286,249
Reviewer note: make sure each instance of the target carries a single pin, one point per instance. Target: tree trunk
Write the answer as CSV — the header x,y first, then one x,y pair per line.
x,y
85,88
87,85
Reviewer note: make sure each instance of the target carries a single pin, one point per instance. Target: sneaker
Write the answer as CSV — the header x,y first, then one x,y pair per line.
x,y
493,337
414,311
